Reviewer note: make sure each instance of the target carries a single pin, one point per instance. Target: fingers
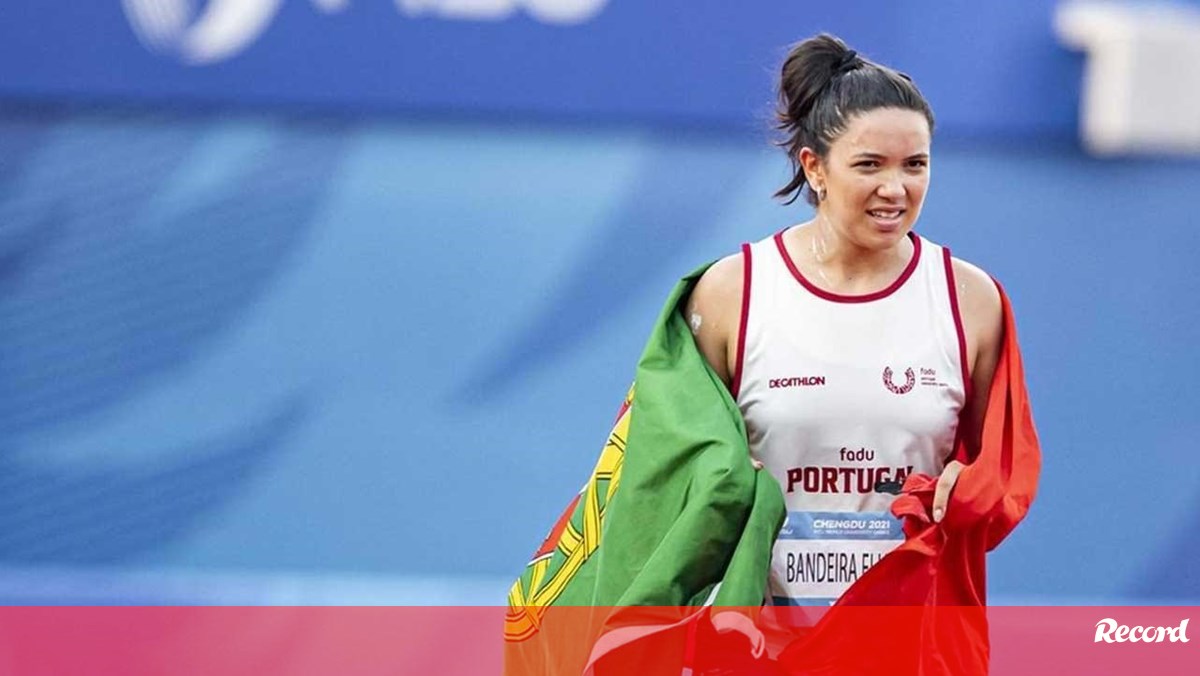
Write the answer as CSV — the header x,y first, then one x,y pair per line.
x,y
729,621
756,463
945,484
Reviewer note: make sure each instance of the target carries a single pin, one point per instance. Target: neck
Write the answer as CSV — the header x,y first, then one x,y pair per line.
x,y
842,262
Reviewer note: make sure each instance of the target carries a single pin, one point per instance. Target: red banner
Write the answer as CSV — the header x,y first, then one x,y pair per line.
x,y
217,641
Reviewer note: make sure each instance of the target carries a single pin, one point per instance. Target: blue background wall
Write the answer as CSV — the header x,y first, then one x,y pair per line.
x,y
261,345
988,68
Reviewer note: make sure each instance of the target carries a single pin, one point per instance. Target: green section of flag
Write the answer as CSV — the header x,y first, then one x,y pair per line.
x,y
689,511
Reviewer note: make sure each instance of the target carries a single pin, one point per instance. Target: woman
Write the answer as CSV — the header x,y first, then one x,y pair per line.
x,y
855,349
857,354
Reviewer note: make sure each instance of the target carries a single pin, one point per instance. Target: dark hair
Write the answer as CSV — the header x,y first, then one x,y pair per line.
x,y
824,83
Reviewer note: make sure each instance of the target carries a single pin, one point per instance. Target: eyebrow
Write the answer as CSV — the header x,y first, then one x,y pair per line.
x,y
877,156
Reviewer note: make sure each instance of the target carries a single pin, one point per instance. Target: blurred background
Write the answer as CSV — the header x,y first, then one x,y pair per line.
x,y
332,301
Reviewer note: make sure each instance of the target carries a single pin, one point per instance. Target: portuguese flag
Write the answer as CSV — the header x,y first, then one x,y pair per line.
x,y
673,514
659,565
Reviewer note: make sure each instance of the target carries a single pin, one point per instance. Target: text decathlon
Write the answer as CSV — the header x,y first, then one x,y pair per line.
x,y
795,381
1109,631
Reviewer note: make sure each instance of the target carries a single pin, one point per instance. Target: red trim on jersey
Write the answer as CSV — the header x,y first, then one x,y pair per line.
x,y
961,451
958,323
736,381
844,298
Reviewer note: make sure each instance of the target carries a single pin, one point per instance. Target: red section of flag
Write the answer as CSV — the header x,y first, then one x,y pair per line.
x,y
555,535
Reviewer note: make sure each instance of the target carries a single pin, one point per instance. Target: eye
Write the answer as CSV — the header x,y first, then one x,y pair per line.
x,y
867,164
918,163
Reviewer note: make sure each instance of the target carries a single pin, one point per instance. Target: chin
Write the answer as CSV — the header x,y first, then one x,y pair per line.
x,y
878,239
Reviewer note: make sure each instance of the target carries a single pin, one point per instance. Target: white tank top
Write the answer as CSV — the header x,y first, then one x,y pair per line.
x,y
844,397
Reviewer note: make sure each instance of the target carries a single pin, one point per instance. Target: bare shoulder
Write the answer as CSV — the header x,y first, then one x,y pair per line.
x,y
983,323
979,303
977,292
720,287
714,310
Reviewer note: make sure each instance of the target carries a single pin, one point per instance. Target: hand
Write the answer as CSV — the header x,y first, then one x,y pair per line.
x,y
728,621
945,484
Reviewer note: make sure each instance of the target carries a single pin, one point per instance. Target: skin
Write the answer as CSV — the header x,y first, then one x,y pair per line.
x,y
880,161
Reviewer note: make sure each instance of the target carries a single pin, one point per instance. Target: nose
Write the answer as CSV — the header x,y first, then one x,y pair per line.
x,y
891,187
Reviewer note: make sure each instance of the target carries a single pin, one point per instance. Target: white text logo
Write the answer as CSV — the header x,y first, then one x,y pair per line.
x,y
1109,631
200,32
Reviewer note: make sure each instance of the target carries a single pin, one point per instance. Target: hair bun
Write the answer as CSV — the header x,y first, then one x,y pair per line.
x,y
849,61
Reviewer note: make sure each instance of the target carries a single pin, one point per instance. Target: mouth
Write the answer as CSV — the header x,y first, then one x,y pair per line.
x,y
888,219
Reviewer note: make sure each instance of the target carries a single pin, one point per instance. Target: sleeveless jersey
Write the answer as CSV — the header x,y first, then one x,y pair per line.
x,y
844,397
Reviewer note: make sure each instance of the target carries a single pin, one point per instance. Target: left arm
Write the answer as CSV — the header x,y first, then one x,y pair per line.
x,y
983,326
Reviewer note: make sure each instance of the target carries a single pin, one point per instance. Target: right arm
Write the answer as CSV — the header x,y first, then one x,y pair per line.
x,y
714,313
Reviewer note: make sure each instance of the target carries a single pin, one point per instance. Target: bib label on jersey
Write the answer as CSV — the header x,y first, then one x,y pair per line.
x,y
819,554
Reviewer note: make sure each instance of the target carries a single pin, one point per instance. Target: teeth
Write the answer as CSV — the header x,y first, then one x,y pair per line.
x,y
885,214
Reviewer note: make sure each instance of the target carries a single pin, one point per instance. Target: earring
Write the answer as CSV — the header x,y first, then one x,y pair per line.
x,y
821,194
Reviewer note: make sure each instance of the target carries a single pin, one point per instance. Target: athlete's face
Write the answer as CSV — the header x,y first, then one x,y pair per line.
x,y
875,176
